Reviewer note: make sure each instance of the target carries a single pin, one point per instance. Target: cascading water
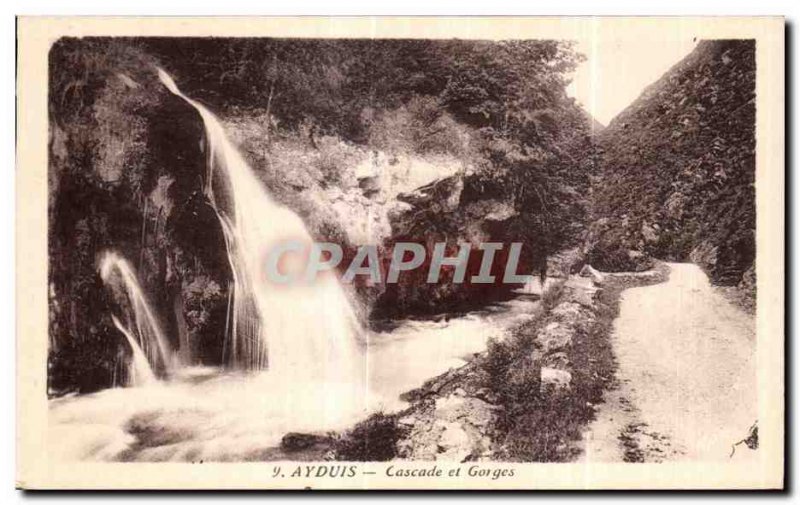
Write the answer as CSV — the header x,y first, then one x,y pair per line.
x,y
305,369
305,335
139,371
150,348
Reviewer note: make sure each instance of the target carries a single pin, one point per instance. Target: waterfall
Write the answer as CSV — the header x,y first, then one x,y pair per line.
x,y
306,336
149,346
139,371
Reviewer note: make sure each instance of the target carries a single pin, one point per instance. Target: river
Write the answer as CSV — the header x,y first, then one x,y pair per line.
x,y
209,414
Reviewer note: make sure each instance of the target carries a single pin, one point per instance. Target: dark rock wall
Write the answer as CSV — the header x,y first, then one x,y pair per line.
x,y
126,167
449,211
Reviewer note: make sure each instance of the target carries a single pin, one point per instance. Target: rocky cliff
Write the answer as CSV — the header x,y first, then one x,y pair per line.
x,y
125,170
677,167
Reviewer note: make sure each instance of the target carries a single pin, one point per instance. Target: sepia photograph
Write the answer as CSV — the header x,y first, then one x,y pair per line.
x,y
439,258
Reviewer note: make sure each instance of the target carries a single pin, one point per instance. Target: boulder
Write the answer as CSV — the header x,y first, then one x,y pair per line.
x,y
588,271
454,443
553,378
553,337
582,291
298,441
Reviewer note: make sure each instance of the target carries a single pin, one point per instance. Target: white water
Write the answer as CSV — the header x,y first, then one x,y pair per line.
x,y
212,415
139,371
149,345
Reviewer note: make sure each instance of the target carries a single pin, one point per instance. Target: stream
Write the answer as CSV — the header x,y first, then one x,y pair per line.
x,y
209,414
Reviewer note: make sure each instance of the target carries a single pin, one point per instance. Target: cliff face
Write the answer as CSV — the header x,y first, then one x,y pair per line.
x,y
125,168
677,167
452,211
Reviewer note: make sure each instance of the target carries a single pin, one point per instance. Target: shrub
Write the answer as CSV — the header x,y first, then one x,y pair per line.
x,y
499,357
421,126
616,258
374,439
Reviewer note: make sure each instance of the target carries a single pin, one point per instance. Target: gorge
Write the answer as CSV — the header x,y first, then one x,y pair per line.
x,y
168,340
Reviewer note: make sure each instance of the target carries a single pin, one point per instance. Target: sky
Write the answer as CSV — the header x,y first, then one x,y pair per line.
x,y
619,66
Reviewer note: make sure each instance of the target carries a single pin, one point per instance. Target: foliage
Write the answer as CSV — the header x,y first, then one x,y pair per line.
x,y
201,296
678,165
614,257
371,440
503,104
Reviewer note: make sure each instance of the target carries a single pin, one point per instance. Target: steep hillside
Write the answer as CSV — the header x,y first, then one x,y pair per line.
x,y
677,167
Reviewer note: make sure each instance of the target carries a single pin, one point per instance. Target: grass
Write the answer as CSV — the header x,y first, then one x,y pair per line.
x,y
374,439
532,426
548,426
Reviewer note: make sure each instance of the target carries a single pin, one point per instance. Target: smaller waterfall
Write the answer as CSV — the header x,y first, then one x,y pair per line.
x,y
143,332
139,371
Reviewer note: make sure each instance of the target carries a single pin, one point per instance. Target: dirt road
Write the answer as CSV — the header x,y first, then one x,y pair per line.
x,y
686,377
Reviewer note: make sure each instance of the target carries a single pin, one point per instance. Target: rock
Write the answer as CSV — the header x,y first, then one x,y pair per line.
x,y
407,421
422,442
555,378
475,411
452,428
582,291
487,395
370,186
649,232
564,263
557,360
491,210
573,313
588,271
454,443
445,193
553,337
639,261
298,441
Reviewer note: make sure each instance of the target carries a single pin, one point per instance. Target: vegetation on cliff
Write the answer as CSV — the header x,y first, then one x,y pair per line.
x,y
124,171
677,167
